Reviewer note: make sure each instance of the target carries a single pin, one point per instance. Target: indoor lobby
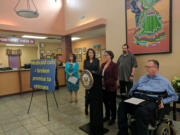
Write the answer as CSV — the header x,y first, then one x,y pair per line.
x,y
77,101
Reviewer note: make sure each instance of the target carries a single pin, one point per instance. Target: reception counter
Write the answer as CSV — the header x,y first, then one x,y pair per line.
x,y
61,76
14,81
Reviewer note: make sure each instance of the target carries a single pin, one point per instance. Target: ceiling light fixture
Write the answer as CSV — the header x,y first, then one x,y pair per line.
x,y
27,12
33,37
14,45
75,38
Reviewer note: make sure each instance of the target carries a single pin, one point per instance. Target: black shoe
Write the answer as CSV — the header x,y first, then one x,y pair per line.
x,y
106,119
86,111
111,122
57,87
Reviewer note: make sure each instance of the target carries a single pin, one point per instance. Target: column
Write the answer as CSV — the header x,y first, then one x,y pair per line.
x,y
66,48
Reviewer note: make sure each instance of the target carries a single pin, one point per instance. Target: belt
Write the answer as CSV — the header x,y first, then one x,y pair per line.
x,y
159,94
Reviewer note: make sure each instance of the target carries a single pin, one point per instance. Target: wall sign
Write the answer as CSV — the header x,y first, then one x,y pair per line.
x,y
16,40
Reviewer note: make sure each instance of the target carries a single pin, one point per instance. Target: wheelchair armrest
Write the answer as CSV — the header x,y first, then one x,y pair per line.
x,y
124,96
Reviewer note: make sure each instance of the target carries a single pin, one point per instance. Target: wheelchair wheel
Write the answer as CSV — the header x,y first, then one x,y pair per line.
x,y
173,130
163,129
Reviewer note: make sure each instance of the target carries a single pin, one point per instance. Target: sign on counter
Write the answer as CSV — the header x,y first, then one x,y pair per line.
x,y
43,74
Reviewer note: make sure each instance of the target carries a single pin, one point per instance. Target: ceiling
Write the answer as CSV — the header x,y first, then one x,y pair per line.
x,y
50,20
56,39
51,39
91,34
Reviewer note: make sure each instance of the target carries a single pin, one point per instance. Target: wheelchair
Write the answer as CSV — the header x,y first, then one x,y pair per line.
x,y
159,123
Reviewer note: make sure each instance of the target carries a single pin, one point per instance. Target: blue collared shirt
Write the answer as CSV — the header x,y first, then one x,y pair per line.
x,y
156,83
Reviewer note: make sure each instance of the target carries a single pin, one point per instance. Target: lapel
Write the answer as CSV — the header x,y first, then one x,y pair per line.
x,y
109,67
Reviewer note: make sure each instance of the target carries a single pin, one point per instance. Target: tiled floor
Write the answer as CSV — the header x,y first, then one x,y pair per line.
x,y
66,120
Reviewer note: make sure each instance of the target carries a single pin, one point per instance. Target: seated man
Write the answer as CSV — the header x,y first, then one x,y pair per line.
x,y
151,82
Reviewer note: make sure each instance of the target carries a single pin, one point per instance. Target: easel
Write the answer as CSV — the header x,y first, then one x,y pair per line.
x,y
46,101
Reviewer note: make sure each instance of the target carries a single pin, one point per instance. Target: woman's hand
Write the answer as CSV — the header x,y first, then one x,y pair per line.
x,y
70,74
131,78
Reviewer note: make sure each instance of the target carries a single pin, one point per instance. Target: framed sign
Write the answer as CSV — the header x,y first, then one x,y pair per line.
x,y
103,51
80,58
84,51
80,50
149,26
42,51
76,51
59,50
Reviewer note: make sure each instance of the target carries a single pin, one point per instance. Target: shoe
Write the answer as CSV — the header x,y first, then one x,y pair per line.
x,y
86,111
105,119
70,101
111,122
57,87
76,101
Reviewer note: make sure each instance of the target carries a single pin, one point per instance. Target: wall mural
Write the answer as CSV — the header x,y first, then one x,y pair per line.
x,y
148,26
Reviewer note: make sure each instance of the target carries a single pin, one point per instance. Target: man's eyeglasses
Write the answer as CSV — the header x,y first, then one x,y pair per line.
x,y
149,66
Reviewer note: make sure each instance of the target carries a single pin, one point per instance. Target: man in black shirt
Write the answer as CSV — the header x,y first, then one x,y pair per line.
x,y
127,64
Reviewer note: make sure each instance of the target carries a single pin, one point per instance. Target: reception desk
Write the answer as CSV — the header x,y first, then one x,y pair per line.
x,y
61,76
14,81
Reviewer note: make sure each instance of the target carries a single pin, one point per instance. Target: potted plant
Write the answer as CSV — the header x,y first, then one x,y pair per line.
x,y
176,84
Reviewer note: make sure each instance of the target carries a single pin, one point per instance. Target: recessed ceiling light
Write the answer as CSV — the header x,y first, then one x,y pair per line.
x,y
14,45
75,38
34,37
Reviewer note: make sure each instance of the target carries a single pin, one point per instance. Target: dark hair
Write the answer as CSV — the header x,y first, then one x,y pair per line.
x,y
156,62
87,54
110,53
126,45
74,57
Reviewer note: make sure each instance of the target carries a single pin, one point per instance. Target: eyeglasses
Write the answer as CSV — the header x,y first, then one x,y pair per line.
x,y
106,55
149,66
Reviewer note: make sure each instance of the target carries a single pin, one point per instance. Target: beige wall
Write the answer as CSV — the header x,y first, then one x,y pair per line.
x,y
114,12
89,43
51,46
28,53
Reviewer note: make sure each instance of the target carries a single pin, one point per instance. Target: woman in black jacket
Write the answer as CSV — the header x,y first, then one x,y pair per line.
x,y
91,63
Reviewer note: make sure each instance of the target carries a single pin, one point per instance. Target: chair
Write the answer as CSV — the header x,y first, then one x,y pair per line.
x,y
174,107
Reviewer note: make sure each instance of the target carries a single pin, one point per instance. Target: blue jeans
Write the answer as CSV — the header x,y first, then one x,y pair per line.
x,y
141,113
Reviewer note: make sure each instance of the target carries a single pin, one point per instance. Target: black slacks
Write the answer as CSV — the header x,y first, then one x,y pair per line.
x,y
142,116
87,99
56,79
109,99
125,86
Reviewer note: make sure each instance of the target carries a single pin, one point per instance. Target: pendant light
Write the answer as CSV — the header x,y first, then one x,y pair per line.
x,y
27,12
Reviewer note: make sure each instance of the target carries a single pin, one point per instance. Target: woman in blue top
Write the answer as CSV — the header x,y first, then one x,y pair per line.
x,y
71,69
